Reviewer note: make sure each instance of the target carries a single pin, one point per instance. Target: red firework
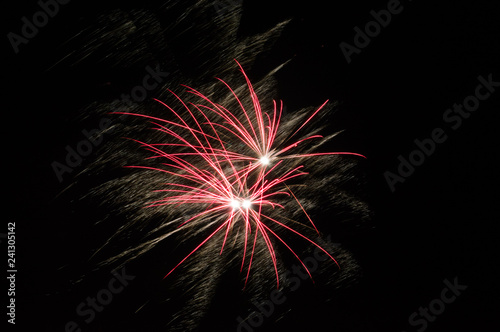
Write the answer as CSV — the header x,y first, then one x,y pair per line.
x,y
226,182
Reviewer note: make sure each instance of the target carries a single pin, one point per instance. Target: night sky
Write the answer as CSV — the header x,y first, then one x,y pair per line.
x,y
440,220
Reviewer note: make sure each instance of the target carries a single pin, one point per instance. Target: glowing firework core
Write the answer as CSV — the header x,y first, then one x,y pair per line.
x,y
264,160
246,204
236,203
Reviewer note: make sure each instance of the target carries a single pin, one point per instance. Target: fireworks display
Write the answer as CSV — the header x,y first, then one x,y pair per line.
x,y
235,167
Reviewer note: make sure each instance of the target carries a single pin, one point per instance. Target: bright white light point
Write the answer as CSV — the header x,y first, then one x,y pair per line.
x,y
246,204
235,204
264,160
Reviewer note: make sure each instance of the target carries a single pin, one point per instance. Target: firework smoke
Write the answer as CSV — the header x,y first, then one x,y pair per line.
x,y
231,165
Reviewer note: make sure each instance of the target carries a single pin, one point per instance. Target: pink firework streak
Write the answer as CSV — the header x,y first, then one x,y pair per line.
x,y
226,183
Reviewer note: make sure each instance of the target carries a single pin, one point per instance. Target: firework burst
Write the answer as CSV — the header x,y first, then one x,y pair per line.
x,y
231,164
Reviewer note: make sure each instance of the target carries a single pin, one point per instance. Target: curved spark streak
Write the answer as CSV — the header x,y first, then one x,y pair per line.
x,y
215,178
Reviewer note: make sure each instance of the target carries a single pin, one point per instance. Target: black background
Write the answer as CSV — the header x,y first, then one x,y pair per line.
x,y
442,222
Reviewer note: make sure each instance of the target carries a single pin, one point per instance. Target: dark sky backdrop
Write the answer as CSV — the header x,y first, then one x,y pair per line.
x,y
442,222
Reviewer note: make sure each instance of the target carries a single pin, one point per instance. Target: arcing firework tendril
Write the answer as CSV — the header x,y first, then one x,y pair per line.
x,y
230,163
